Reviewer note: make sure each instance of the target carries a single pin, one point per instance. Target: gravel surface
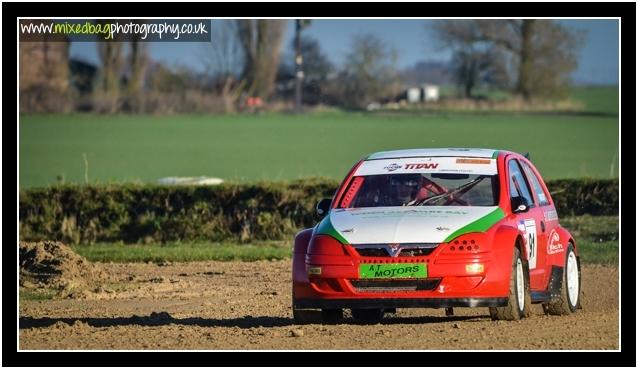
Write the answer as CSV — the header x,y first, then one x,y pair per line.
x,y
243,305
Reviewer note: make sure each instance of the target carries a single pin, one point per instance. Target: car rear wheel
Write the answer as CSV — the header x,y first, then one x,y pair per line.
x,y
368,316
518,304
568,298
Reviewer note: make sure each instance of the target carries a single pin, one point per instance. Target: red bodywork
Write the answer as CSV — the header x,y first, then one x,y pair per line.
x,y
448,282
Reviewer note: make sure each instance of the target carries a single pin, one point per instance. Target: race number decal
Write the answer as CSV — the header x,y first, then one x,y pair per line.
x,y
528,226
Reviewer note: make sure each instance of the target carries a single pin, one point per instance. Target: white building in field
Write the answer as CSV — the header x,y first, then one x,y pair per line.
x,y
430,93
425,93
413,95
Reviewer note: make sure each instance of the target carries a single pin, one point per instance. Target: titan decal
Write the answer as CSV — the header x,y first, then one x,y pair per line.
x,y
422,166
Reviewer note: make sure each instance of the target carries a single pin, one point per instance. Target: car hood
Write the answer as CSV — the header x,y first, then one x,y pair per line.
x,y
431,224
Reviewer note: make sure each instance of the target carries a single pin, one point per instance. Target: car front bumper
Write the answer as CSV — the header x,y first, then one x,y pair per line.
x,y
448,284
389,303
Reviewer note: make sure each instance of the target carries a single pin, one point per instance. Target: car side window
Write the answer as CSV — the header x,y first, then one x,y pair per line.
x,y
538,189
517,182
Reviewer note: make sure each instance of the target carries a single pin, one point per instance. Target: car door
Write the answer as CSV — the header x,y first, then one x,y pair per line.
x,y
548,219
528,222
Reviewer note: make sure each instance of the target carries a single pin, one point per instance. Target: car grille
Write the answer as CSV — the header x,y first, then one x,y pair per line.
x,y
395,285
384,250
372,252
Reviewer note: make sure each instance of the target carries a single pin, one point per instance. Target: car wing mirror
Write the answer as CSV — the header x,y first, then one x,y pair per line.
x,y
519,204
323,207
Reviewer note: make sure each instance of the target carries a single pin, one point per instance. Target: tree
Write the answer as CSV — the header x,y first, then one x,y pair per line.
x,y
299,72
44,76
261,41
474,68
316,69
316,64
369,73
223,56
542,52
474,62
138,61
110,54
224,61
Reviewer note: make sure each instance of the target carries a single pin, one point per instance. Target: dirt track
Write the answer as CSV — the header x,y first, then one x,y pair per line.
x,y
237,305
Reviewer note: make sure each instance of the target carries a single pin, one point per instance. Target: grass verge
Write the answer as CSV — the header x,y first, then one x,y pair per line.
x,y
605,253
596,238
177,252
28,294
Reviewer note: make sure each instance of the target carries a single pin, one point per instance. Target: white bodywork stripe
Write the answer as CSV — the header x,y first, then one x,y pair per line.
x,y
482,166
406,224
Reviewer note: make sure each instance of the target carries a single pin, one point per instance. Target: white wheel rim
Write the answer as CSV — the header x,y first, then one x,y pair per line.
x,y
572,278
520,284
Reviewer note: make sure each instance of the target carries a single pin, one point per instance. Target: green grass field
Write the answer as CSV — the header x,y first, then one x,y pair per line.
x,y
598,99
284,146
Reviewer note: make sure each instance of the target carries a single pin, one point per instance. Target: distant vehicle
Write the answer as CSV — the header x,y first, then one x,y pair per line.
x,y
436,228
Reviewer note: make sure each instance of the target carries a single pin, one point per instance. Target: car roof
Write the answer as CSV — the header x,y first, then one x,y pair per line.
x,y
413,153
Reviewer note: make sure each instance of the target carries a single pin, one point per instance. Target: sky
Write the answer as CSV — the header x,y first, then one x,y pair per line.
x,y
412,39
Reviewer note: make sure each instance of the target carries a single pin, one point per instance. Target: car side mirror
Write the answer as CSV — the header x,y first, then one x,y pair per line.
x,y
323,207
519,204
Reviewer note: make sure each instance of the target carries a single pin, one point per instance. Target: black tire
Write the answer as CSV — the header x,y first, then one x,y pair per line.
x,y
563,303
304,316
368,316
315,316
331,316
514,309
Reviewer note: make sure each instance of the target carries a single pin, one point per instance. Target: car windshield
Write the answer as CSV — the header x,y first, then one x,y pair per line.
x,y
421,189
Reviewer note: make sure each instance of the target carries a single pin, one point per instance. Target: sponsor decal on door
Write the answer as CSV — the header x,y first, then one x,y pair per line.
x,y
553,243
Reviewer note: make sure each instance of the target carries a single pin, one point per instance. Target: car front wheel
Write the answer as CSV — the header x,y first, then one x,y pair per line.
x,y
368,316
518,304
316,316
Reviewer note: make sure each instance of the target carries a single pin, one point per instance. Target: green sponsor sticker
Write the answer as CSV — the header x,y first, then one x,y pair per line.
x,y
414,270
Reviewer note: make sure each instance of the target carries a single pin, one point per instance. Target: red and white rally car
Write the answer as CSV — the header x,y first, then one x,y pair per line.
x,y
436,228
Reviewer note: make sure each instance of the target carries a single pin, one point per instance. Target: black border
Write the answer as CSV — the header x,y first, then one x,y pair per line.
x,y
318,9
627,12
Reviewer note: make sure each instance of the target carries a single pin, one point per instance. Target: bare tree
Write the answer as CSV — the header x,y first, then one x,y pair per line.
x,y
224,60
474,62
44,76
261,40
370,72
223,56
110,54
138,61
515,36
543,51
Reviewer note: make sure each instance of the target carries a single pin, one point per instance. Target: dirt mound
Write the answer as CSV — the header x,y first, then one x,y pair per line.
x,y
53,265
